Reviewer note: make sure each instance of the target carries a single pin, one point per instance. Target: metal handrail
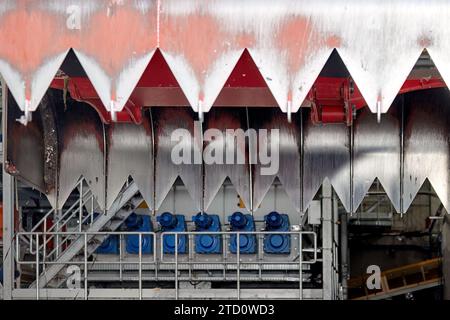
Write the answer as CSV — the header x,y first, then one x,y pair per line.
x,y
42,261
81,220
227,234
63,219
238,262
44,218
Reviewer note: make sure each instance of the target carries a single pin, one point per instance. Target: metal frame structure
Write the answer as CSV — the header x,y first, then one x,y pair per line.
x,y
76,110
159,263
8,213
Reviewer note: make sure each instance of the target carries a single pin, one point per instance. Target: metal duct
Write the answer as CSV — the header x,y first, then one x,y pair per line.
x,y
221,145
289,155
130,153
82,152
166,121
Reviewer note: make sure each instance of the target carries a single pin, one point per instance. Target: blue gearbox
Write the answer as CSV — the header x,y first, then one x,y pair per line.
x,y
139,223
277,243
247,242
207,243
109,246
173,223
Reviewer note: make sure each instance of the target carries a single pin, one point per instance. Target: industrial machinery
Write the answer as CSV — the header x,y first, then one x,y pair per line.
x,y
245,241
171,149
173,223
109,246
137,223
277,243
207,243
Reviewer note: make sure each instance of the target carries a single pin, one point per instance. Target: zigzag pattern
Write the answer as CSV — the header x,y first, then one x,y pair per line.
x,y
290,41
411,144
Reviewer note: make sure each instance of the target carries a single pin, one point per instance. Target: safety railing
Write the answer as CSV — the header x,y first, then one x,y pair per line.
x,y
225,236
299,256
60,222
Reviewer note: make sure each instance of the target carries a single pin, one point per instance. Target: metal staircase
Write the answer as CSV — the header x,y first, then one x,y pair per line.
x,y
67,248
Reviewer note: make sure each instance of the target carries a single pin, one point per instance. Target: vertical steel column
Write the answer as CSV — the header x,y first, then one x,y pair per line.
x,y
120,258
446,256
344,254
140,266
300,266
176,266
327,240
238,265
8,210
85,267
37,267
336,247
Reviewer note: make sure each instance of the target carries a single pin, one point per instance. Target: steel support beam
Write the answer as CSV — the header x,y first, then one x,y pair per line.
x,y
8,213
158,293
327,240
446,256
344,254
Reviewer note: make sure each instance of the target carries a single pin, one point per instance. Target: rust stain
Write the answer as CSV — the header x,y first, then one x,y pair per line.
x,y
293,39
334,41
298,40
114,39
424,42
201,39
29,37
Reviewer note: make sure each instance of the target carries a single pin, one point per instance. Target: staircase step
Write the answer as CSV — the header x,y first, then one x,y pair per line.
x,y
124,205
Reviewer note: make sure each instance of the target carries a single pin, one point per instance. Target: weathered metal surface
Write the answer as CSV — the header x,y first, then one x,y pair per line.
x,y
47,110
82,152
326,154
289,145
380,43
218,121
130,153
116,42
24,152
377,154
202,42
187,138
33,47
290,41
427,138
291,46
